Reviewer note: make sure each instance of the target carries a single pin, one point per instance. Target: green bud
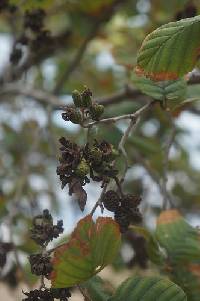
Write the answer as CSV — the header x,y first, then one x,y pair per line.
x,y
77,99
96,111
82,169
86,97
75,117
96,155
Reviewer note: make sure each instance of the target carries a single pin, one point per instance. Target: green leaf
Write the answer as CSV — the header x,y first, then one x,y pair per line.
x,y
188,277
96,289
148,289
91,247
182,243
170,89
171,50
180,240
152,245
144,144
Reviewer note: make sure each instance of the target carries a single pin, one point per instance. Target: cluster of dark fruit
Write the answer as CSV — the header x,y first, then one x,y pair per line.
x,y
34,20
125,208
85,108
4,249
7,7
40,265
36,37
48,294
44,230
77,164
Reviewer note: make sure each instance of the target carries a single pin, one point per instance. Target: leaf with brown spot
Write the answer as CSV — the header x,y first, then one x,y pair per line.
x,y
179,238
91,247
170,51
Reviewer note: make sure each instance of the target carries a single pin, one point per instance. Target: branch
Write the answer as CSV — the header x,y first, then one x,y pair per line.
x,y
43,97
134,118
48,99
132,124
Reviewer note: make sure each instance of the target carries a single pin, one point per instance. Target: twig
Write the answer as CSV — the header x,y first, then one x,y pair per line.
x,y
134,117
132,124
42,283
46,98
42,96
166,151
99,201
83,292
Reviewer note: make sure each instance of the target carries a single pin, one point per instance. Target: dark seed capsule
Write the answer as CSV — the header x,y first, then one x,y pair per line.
x,y
111,200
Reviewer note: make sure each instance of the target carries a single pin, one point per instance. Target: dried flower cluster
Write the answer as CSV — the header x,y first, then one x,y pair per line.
x,y
42,232
79,164
48,294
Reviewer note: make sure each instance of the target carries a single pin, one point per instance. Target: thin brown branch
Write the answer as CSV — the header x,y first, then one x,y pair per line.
x,y
99,201
132,124
46,98
134,117
41,96
84,293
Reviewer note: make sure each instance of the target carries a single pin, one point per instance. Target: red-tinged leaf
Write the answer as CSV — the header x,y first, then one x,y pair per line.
x,y
91,247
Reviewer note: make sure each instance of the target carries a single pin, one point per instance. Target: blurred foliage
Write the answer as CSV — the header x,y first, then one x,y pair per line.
x,y
30,128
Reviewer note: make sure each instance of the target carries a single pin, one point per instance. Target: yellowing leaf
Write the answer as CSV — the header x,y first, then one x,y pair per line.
x,y
92,246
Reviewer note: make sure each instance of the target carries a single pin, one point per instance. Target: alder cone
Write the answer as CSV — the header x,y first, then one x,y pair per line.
x,y
111,200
